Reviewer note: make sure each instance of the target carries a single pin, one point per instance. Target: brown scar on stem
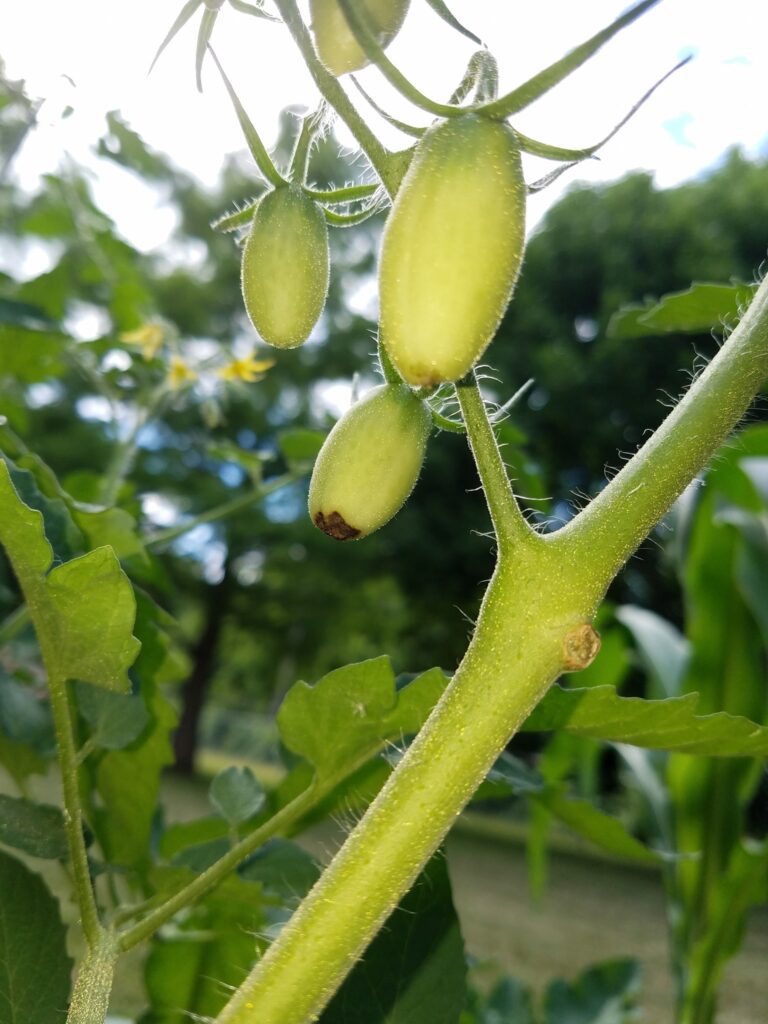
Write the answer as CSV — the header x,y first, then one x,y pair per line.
x,y
336,526
580,647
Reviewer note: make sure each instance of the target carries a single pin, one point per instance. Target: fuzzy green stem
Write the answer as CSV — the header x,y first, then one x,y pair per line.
x,y
218,871
90,998
338,99
539,597
508,521
73,817
614,524
513,658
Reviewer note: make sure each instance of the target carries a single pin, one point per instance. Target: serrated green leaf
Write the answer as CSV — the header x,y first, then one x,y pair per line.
x,y
37,829
60,531
201,856
83,610
116,719
95,611
110,526
237,794
605,994
672,724
352,711
34,965
700,308
414,971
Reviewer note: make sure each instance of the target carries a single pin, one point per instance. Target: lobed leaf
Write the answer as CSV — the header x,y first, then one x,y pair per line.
x,y
671,724
352,711
701,308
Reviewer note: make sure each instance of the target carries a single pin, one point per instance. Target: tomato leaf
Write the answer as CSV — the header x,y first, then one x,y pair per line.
x,y
116,719
670,724
34,965
353,710
605,994
414,971
37,829
237,794
83,609
701,308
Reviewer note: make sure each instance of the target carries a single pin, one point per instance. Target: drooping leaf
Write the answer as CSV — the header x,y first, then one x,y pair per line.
x,y
594,825
352,711
414,971
34,965
700,308
237,794
605,994
37,829
671,724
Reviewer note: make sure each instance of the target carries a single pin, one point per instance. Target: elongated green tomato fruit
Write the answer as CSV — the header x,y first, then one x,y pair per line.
x,y
335,42
285,267
452,249
370,463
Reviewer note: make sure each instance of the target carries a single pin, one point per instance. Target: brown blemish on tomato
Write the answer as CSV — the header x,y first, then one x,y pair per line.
x,y
580,647
336,526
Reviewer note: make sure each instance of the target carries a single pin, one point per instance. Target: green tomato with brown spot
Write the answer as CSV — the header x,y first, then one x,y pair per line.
x,y
285,267
335,41
452,249
369,463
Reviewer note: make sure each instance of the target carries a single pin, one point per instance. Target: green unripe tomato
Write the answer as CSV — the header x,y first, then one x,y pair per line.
x,y
452,249
285,267
335,42
369,463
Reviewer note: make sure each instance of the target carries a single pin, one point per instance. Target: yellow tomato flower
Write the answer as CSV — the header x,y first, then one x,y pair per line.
x,y
250,369
150,337
179,373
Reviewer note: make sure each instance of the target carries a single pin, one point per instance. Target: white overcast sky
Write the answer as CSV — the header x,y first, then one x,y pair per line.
x,y
106,46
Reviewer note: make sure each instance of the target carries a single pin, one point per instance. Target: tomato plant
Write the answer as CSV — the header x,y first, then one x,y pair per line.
x,y
228,897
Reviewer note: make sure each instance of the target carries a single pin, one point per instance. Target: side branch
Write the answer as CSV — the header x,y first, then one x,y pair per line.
x,y
508,521
612,526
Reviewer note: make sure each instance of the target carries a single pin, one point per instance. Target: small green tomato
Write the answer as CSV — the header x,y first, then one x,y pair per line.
x,y
370,463
336,44
452,249
285,267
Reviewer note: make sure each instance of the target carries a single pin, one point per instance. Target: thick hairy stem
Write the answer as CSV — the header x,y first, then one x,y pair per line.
x,y
613,525
90,998
515,655
539,599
